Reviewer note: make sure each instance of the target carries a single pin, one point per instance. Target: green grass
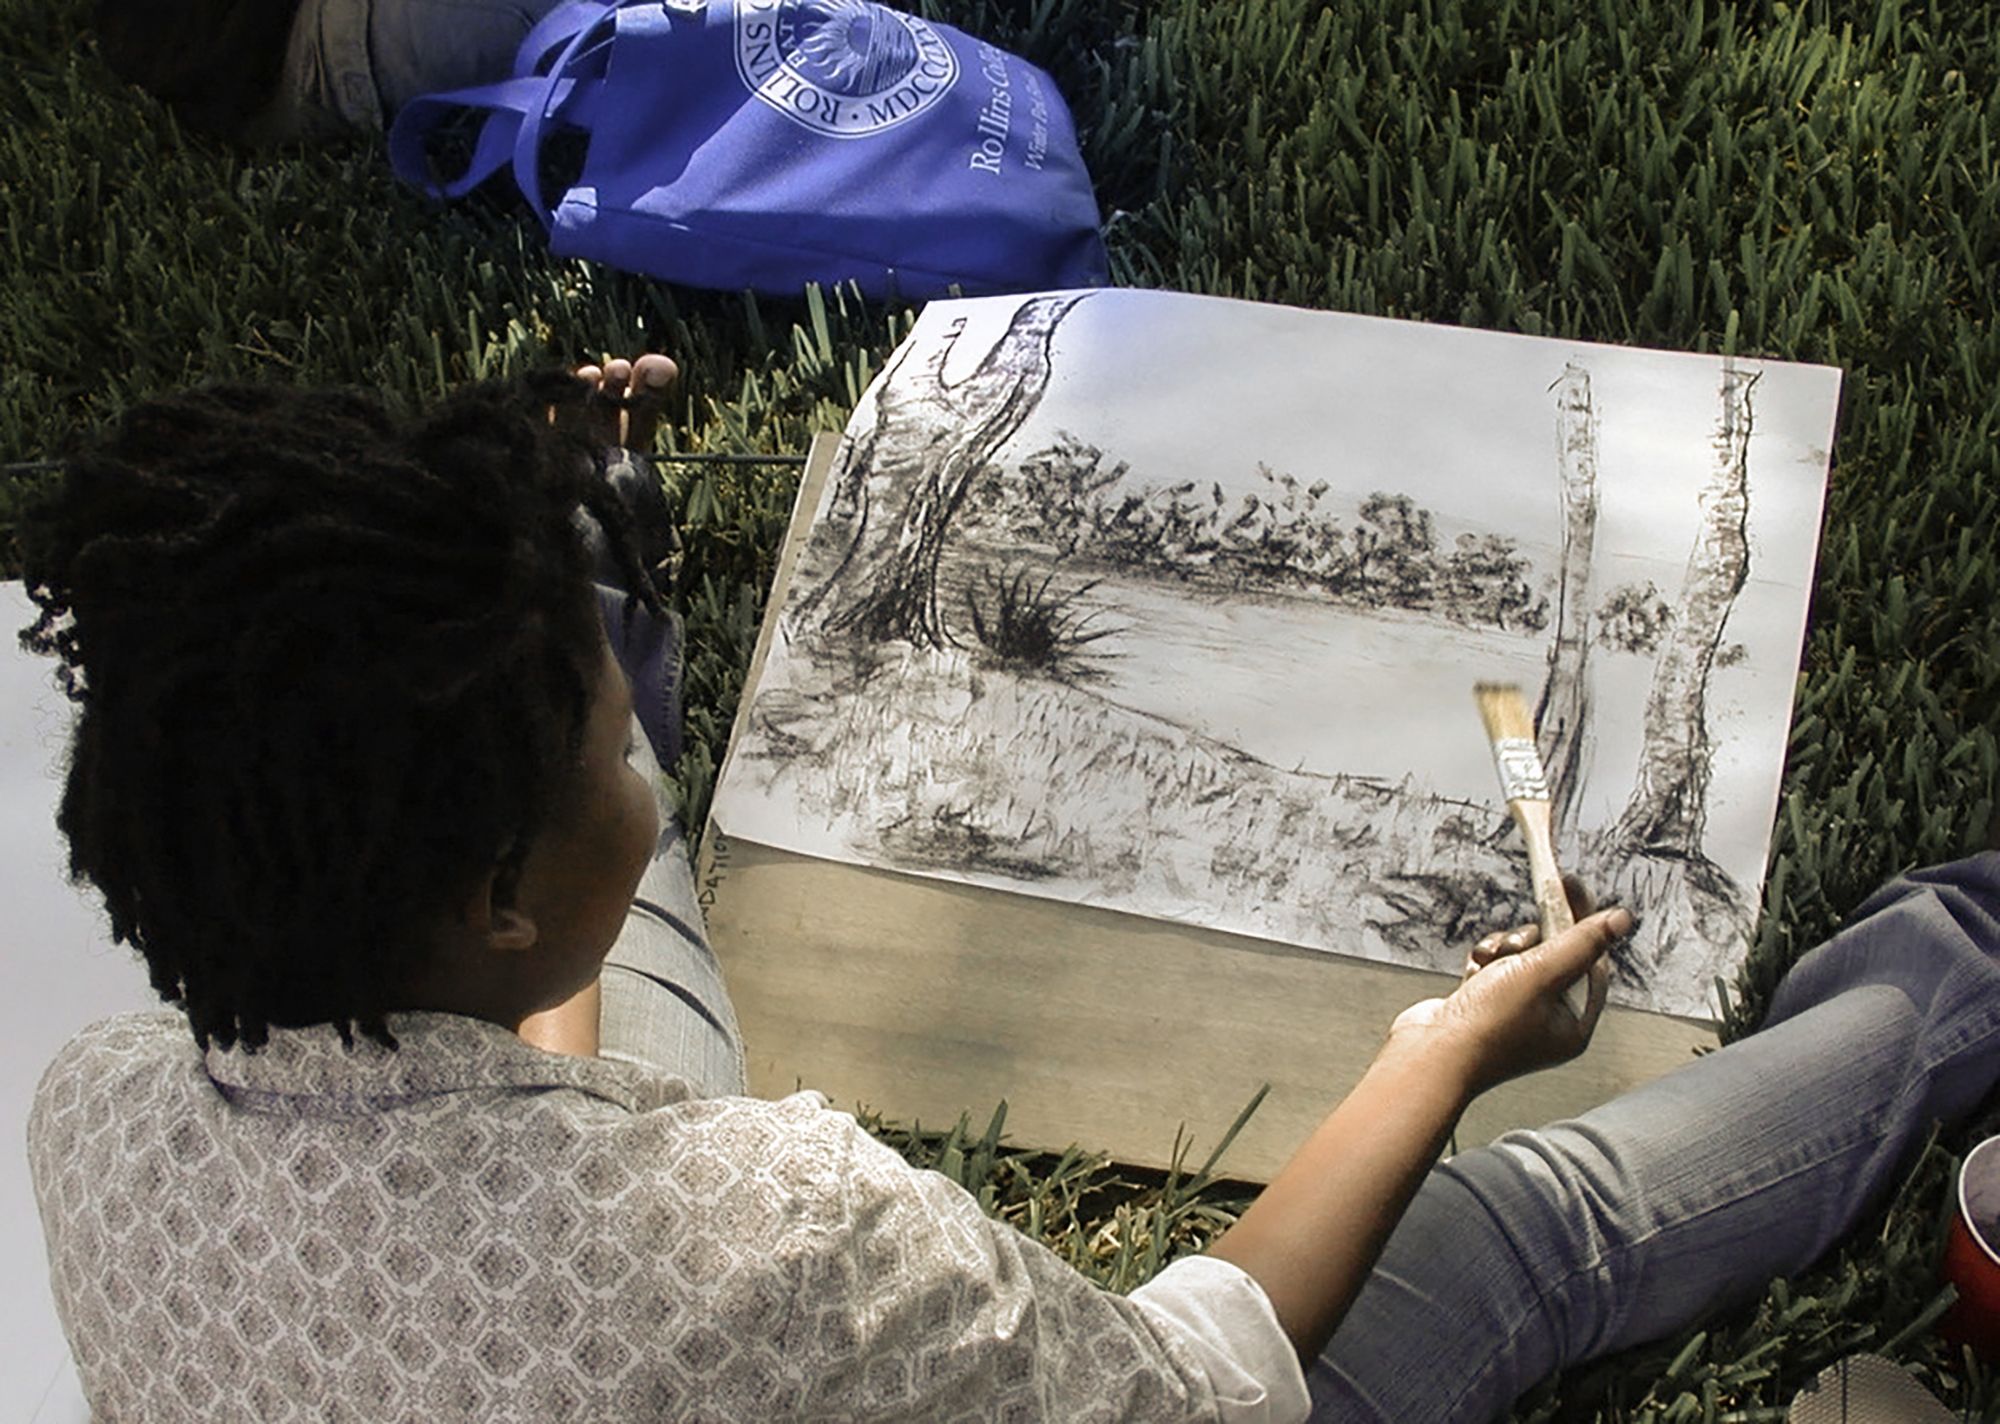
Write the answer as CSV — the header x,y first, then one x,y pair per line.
x,y
1798,181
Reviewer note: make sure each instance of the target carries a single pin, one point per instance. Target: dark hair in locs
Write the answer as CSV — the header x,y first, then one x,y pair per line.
x,y
330,665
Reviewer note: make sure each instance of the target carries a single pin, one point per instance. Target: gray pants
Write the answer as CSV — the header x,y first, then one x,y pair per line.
x,y
1549,1248
663,1000
353,63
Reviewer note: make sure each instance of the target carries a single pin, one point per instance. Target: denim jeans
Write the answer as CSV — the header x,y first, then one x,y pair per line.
x,y
353,63
1544,1249
663,1002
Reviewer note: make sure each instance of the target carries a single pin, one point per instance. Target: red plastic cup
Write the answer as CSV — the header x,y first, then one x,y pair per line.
x,y
1972,1254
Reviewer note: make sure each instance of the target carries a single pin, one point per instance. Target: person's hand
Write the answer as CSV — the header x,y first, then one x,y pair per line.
x,y
1507,1016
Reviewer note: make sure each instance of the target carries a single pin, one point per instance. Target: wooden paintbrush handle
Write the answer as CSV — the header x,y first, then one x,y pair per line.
x,y
1551,900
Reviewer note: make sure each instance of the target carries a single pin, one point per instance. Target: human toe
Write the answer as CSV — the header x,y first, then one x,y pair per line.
x,y
652,371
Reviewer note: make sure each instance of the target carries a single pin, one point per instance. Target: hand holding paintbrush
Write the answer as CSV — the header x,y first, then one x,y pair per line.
x,y
1526,786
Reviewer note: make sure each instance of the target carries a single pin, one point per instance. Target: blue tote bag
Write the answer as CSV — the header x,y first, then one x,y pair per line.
x,y
770,143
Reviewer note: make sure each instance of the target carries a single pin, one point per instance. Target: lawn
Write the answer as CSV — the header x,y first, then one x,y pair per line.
x,y
1800,181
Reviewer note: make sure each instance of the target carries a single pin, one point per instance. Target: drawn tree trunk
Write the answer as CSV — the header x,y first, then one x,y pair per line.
x,y
1652,856
1668,807
932,440
1563,713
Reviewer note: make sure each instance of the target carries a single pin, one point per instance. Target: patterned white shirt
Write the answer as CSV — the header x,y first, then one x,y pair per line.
x,y
471,1228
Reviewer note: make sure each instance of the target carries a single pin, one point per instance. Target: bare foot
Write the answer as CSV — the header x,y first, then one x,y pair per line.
x,y
626,399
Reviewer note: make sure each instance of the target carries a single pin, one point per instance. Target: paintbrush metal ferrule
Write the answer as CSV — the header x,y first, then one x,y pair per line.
x,y
1524,782
1522,776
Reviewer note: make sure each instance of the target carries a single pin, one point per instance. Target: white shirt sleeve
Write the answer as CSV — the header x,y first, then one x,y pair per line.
x,y
1224,1315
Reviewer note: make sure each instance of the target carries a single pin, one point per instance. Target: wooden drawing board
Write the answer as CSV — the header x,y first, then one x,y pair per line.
x,y
923,999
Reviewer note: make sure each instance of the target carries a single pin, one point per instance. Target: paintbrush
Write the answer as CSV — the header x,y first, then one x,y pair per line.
x,y
1526,786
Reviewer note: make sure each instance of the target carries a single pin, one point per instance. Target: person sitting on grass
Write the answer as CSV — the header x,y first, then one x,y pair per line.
x,y
446,1118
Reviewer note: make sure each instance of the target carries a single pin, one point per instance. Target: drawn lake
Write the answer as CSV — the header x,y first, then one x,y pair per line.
x,y
1304,685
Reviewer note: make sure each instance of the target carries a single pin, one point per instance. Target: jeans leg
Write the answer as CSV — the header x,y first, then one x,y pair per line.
x,y
353,63
327,86
429,46
648,648
663,1001
1548,1248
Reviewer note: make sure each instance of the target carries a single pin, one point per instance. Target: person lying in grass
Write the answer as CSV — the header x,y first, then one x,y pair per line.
x,y
268,71
446,1118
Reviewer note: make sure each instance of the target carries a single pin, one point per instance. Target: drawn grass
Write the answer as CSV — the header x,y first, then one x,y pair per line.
x,y
1033,627
982,770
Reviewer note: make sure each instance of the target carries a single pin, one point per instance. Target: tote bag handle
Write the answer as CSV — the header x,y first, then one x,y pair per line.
x,y
560,100
517,108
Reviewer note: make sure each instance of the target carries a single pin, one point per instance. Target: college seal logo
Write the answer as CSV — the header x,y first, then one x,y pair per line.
x,y
844,68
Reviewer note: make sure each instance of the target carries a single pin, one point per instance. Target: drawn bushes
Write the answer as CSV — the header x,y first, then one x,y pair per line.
x,y
1069,498
1056,490
1393,554
1633,618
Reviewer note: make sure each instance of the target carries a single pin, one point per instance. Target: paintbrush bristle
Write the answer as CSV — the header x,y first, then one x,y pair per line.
x,y
1503,711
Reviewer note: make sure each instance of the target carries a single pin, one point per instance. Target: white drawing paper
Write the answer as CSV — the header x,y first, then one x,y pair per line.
x,y
1174,605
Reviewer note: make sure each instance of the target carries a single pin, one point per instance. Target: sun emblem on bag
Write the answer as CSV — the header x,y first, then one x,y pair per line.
x,y
844,68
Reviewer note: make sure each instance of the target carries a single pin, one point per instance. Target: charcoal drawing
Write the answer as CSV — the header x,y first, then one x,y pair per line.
x,y
1072,621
